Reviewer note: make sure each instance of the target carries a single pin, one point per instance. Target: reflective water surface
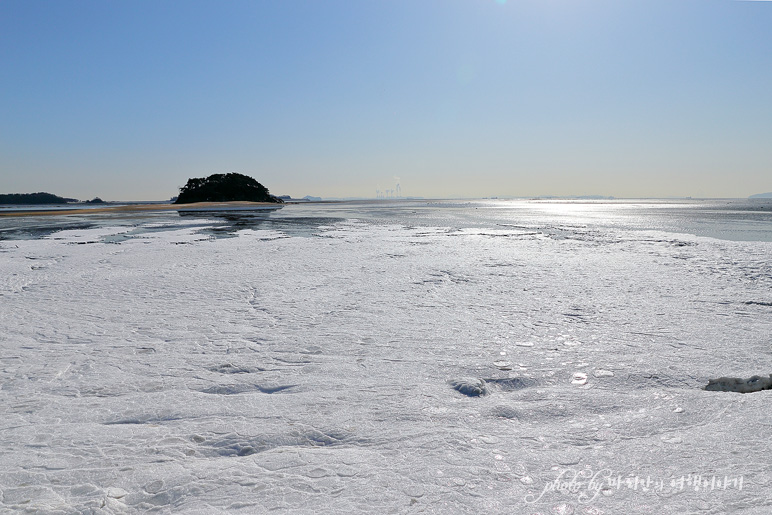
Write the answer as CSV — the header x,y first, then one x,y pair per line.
x,y
727,219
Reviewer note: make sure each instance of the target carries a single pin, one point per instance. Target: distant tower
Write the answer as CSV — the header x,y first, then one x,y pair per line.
x,y
399,191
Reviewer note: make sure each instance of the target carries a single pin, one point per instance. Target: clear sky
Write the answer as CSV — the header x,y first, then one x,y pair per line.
x,y
632,98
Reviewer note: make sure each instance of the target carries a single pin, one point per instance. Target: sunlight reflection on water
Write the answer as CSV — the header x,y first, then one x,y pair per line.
x,y
739,220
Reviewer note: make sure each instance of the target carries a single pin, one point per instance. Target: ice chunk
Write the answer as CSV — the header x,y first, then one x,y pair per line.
x,y
469,386
503,364
509,384
505,412
579,378
736,384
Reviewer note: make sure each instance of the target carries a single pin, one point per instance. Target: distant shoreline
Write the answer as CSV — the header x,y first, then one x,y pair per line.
x,y
130,208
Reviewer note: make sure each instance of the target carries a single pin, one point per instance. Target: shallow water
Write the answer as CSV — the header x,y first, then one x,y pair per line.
x,y
451,357
730,219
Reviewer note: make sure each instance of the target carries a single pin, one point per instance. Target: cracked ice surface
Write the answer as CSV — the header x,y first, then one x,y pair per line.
x,y
179,373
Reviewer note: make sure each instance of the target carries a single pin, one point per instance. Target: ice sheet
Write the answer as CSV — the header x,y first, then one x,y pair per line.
x,y
179,372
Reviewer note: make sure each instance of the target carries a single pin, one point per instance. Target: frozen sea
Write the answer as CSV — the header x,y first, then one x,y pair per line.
x,y
478,356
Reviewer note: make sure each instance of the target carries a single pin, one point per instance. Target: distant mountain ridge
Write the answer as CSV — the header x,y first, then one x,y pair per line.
x,y
34,198
762,195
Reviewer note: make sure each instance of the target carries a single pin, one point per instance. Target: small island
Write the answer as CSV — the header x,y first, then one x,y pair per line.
x,y
227,187
34,199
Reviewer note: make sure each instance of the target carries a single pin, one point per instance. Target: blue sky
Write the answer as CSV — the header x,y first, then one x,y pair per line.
x,y
631,98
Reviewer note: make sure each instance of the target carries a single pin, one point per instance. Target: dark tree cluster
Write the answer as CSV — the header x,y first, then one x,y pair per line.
x,y
224,188
34,198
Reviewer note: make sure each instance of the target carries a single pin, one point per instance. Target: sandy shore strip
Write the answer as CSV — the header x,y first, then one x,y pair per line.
x,y
129,208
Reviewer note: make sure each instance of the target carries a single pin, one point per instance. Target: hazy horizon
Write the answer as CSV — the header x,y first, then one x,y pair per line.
x,y
450,99
546,196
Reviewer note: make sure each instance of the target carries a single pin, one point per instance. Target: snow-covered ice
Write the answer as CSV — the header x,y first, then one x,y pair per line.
x,y
334,369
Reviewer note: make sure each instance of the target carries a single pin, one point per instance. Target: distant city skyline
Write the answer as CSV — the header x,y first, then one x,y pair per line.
x,y
436,99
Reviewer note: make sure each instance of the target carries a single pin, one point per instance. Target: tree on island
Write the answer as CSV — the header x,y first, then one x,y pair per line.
x,y
34,198
224,188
